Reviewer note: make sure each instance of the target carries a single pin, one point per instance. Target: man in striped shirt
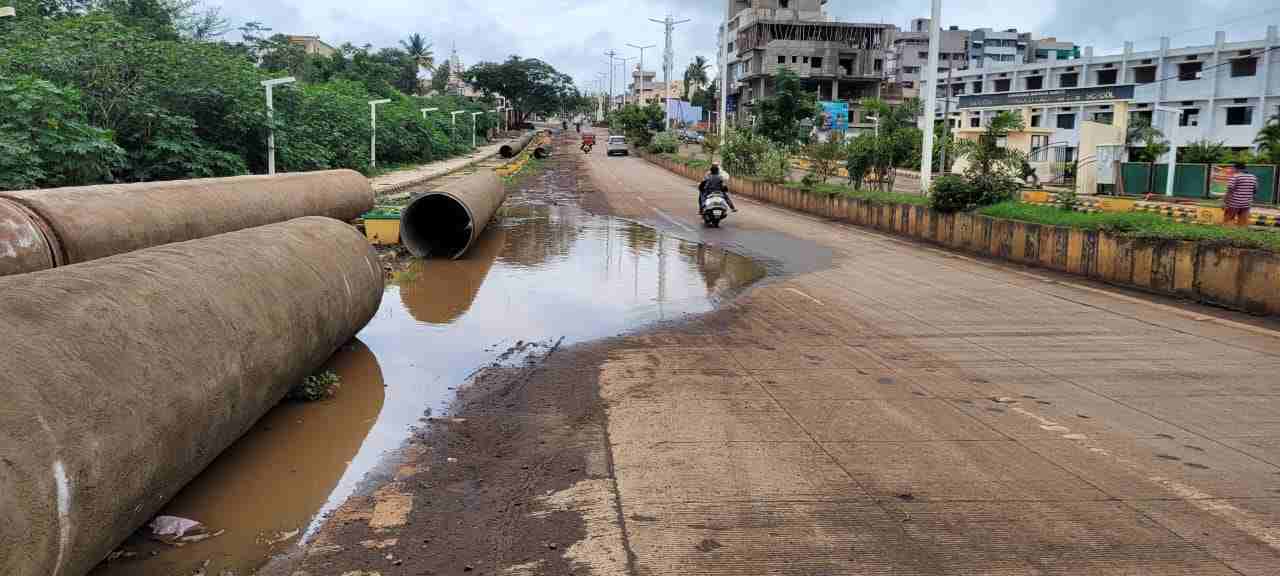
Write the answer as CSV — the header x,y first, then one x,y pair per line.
x,y
1240,191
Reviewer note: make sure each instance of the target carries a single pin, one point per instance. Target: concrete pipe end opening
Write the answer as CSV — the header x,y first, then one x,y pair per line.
x,y
505,151
437,225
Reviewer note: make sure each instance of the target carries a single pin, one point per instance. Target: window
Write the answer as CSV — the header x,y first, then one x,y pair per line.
x,y
1035,82
815,62
922,54
805,59
1035,120
1067,121
1239,115
977,87
879,64
908,84
1107,77
782,59
1189,117
1189,70
1069,80
975,121
1241,67
957,89
1103,117
1144,115
795,59
1039,141
1002,85
1144,75
731,47
784,4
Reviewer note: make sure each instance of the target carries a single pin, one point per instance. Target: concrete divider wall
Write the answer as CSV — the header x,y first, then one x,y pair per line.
x,y
125,376
78,224
1236,278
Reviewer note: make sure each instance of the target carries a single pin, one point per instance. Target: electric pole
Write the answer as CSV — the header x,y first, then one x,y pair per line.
x,y
641,49
930,98
611,54
668,60
946,115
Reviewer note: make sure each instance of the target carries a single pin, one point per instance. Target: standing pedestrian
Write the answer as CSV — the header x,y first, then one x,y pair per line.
x,y
1240,191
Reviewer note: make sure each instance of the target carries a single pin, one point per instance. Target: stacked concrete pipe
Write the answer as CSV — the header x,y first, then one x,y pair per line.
x,y
41,229
125,376
514,148
444,223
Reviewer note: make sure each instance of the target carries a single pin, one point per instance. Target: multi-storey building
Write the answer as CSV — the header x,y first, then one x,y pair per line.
x,y
963,49
837,60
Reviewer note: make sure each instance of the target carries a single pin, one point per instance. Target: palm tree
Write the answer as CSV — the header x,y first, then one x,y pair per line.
x,y
419,49
695,76
1268,139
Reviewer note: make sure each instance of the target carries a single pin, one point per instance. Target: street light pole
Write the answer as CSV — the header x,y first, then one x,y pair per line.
x,y
373,131
611,54
624,78
1173,146
642,49
271,114
473,128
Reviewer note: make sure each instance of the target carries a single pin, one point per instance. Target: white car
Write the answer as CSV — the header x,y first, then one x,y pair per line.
x,y
617,145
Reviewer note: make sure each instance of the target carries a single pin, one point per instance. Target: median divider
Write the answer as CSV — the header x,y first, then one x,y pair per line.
x,y
1223,275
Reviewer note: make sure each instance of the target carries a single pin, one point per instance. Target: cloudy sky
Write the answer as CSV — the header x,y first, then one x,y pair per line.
x,y
573,34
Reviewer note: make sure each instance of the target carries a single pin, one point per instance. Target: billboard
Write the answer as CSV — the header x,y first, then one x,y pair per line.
x,y
1058,96
683,112
835,117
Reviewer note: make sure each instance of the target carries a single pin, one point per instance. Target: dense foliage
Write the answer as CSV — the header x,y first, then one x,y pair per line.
x,y
531,85
131,90
989,179
780,117
637,123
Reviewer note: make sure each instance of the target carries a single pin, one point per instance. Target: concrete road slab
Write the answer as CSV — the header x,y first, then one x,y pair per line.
x,y
1240,533
950,470
1067,413
791,357
818,384
727,471
1265,448
676,419
884,420
1217,415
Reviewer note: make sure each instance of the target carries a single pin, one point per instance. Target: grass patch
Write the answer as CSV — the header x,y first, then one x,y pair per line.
x,y
872,196
695,163
1136,225
531,166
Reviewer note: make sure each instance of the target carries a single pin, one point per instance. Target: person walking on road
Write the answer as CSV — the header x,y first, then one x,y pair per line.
x,y
1240,191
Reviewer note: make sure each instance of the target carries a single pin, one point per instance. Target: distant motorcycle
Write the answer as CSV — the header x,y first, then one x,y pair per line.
x,y
714,209
588,140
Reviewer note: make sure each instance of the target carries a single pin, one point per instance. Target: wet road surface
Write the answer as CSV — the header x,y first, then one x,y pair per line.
x,y
545,274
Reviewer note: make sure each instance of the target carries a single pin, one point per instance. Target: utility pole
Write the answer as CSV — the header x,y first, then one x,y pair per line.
x,y
668,59
946,115
642,49
373,130
611,54
624,77
931,99
271,115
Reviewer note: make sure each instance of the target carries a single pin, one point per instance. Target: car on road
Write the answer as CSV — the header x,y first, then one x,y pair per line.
x,y
617,145
691,137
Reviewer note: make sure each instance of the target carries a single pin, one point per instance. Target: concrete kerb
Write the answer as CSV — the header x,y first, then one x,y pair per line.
x,y
1235,278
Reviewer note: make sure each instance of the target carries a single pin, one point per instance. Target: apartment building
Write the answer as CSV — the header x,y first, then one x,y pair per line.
x,y
1222,92
839,61
965,49
644,90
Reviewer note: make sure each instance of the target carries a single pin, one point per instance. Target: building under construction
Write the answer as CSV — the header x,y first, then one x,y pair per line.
x,y
837,60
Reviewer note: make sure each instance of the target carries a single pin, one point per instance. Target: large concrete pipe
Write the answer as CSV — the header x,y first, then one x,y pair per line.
x,y
124,377
510,150
441,291
84,223
444,223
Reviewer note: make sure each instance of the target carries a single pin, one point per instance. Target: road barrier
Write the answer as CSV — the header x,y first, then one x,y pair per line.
x,y
1226,276
41,229
446,222
125,376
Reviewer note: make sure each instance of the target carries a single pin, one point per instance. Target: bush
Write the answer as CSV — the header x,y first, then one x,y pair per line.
x,y
994,188
952,193
743,153
316,387
775,164
664,143
44,139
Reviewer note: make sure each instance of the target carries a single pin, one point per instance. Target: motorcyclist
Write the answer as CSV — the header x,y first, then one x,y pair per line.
x,y
711,183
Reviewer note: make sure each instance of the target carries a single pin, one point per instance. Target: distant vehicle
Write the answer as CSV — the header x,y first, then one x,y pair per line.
x,y
617,145
691,137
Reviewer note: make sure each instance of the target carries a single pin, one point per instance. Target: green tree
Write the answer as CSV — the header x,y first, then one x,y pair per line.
x,y
986,154
695,75
440,79
779,116
45,140
1145,142
638,123
1201,152
419,51
531,85
1268,140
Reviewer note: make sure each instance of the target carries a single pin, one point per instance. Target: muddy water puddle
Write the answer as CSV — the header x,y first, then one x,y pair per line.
x,y
546,272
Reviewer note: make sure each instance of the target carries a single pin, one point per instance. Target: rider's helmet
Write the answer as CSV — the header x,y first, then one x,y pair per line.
x,y
715,168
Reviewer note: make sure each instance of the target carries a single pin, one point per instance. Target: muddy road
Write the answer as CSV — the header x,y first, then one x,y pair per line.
x,y
620,391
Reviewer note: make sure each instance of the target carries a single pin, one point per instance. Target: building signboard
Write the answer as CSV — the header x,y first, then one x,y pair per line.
x,y
1042,97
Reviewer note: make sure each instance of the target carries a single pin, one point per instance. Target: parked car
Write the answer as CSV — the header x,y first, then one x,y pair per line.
x,y
617,145
691,137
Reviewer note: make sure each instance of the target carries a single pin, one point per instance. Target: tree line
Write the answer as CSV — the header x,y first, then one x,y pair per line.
x,y
95,91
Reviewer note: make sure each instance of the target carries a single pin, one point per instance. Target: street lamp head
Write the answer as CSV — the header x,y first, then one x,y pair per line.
x,y
377,102
7,11
430,109
279,81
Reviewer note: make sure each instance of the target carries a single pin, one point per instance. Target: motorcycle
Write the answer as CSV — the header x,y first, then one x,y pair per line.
x,y
714,209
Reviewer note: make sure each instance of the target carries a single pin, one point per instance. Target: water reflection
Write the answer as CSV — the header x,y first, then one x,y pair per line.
x,y
546,272
271,481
